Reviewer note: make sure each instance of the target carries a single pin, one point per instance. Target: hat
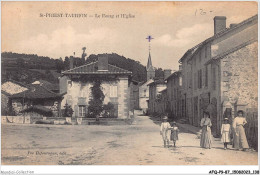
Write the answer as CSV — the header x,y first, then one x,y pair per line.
x,y
206,112
165,118
240,111
225,118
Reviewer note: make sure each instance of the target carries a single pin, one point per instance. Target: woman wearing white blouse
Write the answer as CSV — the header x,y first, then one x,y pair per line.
x,y
240,140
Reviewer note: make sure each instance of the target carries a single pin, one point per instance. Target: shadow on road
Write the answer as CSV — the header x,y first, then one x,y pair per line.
x,y
157,120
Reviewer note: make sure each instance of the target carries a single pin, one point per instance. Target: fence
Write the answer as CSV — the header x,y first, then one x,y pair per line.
x,y
251,129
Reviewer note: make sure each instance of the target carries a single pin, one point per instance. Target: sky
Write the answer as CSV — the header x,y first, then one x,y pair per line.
x,y
36,27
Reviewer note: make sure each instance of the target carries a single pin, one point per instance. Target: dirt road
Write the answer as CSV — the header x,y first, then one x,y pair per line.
x,y
138,144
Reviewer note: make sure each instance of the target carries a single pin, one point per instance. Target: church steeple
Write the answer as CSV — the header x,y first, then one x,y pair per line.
x,y
149,68
149,63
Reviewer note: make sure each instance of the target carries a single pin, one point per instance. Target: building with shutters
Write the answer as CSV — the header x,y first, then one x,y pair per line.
x,y
175,103
115,83
220,73
155,96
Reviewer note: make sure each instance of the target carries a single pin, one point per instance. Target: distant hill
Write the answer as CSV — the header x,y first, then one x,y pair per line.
x,y
27,68
137,69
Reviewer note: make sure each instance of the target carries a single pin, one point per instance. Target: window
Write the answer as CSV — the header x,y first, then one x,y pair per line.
x,y
195,81
199,78
113,91
190,83
180,81
82,111
69,82
214,78
206,51
145,93
206,76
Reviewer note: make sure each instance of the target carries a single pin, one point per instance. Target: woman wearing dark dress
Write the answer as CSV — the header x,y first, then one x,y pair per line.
x,y
206,138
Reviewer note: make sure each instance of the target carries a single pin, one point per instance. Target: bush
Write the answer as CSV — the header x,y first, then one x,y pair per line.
x,y
68,111
108,110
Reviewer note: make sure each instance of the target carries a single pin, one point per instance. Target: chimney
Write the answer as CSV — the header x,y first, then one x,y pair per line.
x,y
71,62
167,73
103,63
232,25
219,24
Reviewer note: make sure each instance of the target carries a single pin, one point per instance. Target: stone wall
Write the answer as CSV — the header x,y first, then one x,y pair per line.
x,y
240,76
4,104
143,97
123,98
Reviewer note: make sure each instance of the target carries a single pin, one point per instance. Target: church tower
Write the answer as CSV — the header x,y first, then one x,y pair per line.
x,y
150,71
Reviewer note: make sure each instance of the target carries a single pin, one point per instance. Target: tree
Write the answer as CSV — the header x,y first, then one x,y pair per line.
x,y
66,63
96,101
68,111
159,73
59,65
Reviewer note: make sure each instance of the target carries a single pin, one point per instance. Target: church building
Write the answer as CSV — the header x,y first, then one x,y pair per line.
x,y
143,88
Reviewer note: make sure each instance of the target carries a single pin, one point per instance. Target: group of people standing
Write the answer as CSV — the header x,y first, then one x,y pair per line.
x,y
235,131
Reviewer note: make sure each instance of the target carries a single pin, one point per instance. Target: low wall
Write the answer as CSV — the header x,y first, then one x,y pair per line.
x,y
63,120
19,119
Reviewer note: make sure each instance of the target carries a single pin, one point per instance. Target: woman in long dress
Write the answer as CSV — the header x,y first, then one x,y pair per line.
x,y
206,138
240,141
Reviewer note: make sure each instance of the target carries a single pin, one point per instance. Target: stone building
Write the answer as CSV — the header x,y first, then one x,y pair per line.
x,y
162,101
134,95
144,95
220,73
115,83
143,87
155,89
175,103
36,95
9,88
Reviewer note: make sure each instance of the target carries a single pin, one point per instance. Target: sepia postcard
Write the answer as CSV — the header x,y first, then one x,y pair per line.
x,y
129,83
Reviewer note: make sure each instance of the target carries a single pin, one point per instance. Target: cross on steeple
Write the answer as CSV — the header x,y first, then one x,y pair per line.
x,y
149,38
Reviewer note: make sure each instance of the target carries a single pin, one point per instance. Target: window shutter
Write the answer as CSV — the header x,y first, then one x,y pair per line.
x,y
195,80
198,79
203,76
86,108
206,76
76,110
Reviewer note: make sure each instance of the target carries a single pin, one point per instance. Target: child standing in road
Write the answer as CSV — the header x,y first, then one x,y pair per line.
x,y
225,132
165,126
174,133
